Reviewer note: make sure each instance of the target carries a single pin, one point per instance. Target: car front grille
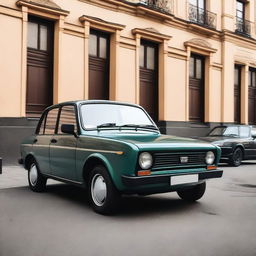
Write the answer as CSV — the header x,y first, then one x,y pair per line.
x,y
173,160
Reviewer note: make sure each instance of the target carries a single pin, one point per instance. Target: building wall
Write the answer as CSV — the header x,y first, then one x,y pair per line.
x,y
177,39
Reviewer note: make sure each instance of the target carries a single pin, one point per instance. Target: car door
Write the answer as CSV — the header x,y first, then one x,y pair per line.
x,y
252,153
247,141
45,132
63,146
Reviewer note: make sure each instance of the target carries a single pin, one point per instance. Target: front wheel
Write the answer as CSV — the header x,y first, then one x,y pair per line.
x,y
192,194
103,195
37,182
236,158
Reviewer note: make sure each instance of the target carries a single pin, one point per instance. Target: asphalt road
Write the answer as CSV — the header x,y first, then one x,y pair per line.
x,y
60,222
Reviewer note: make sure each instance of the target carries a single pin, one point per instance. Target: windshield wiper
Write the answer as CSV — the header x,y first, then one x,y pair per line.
x,y
106,125
136,126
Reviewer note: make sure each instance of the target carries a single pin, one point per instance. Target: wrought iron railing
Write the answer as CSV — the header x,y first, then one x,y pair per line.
x,y
201,16
165,6
243,26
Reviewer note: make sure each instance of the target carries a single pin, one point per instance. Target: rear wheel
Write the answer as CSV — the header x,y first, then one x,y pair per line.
x,y
192,194
103,195
36,181
236,158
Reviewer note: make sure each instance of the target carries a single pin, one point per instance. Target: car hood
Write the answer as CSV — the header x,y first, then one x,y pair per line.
x,y
151,140
212,139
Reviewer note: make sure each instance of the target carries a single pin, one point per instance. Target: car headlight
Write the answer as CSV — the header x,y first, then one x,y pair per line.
x,y
145,160
209,158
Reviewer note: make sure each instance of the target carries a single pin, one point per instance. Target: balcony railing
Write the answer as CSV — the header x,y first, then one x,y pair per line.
x,y
165,6
201,16
243,26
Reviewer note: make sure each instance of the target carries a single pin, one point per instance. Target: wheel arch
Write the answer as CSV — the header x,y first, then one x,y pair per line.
x,y
94,160
28,159
241,146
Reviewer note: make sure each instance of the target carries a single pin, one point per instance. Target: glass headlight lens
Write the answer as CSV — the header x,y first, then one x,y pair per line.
x,y
209,158
145,160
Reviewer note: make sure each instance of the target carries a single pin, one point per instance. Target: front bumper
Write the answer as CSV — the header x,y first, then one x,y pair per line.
x,y
133,182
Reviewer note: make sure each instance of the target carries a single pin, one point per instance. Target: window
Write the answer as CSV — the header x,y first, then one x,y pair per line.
x,y
252,77
67,116
42,124
198,3
196,67
148,56
98,44
244,132
51,120
240,9
37,36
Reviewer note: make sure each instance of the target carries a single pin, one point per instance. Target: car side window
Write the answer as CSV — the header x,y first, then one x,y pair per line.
x,y
67,116
244,132
51,120
253,132
41,128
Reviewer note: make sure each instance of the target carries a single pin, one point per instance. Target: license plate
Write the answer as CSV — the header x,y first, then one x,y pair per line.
x,y
183,179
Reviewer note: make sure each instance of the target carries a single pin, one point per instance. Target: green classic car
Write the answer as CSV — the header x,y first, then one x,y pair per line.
x,y
114,148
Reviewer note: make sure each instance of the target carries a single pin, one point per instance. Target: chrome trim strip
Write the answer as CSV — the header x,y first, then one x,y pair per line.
x,y
82,149
59,178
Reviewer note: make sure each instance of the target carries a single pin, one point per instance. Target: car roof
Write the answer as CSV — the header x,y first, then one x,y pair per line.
x,y
81,102
232,125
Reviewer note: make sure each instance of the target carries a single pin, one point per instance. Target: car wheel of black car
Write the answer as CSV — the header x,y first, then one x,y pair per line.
x,y
236,158
193,193
103,195
37,182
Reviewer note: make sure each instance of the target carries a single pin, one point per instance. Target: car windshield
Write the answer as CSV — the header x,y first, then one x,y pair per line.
x,y
114,115
225,131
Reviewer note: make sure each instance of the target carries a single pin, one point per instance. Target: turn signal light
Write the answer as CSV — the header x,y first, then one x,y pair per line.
x,y
211,167
144,173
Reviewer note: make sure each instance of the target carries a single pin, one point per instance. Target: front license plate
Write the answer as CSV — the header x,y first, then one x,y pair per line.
x,y
183,179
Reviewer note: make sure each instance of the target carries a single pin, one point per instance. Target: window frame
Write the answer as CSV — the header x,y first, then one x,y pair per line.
x,y
59,115
99,34
41,22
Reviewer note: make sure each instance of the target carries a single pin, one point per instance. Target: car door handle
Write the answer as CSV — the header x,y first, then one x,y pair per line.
x,y
53,141
35,141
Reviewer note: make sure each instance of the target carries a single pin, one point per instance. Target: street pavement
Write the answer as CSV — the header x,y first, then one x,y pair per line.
x,y
61,222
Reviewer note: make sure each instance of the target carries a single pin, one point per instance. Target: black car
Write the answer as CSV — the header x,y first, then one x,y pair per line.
x,y
237,142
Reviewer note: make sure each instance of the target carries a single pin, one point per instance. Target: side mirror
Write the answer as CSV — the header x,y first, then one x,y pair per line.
x,y
254,136
69,129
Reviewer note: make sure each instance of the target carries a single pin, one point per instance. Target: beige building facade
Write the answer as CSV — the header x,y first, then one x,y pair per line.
x,y
190,63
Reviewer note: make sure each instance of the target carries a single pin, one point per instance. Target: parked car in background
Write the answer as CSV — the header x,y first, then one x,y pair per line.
x,y
237,142
114,148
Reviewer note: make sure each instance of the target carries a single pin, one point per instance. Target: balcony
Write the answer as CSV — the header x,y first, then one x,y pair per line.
x,y
164,6
243,27
201,16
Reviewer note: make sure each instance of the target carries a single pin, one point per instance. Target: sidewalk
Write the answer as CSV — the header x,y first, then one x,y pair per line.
x,y
16,176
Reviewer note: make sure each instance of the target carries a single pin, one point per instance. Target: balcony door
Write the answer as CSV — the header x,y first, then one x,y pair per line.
x,y
149,78
98,65
196,88
252,97
237,94
39,66
197,11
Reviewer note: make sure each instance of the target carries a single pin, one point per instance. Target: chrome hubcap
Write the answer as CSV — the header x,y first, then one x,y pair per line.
x,y
33,175
98,190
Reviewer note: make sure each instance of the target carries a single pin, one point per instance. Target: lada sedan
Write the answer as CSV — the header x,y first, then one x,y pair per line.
x,y
113,148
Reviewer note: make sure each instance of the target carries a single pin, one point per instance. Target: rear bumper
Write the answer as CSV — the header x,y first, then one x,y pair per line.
x,y
133,182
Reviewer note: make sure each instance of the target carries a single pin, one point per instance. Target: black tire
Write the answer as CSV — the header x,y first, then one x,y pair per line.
x,y
37,182
194,193
236,158
106,199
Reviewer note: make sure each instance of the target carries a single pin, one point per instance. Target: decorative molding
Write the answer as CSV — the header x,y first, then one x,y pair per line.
x,y
43,6
101,24
201,45
151,34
